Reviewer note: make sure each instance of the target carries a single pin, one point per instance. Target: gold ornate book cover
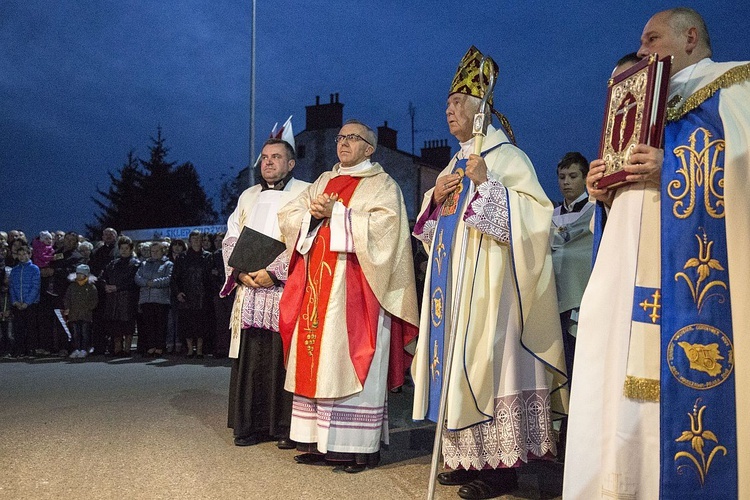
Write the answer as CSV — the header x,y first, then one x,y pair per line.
x,y
634,114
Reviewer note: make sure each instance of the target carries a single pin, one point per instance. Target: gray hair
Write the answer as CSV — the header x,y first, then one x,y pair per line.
x,y
370,135
682,19
85,244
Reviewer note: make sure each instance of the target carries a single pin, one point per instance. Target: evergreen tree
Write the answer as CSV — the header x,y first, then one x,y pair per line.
x,y
154,193
231,189
118,201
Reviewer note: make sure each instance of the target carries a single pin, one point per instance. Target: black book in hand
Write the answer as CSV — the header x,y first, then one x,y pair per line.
x,y
254,251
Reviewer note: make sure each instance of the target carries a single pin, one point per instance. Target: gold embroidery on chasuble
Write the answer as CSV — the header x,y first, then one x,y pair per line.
x,y
700,171
704,266
738,74
699,439
654,306
708,350
321,264
435,362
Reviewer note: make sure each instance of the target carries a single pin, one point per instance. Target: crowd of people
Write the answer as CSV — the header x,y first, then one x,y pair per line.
x,y
65,296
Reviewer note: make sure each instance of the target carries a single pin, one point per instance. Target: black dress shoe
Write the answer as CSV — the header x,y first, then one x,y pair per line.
x,y
457,477
489,485
310,459
245,441
350,469
286,444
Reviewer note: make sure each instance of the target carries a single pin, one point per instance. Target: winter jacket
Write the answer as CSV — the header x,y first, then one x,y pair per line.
x,y
80,301
192,276
159,272
121,305
25,281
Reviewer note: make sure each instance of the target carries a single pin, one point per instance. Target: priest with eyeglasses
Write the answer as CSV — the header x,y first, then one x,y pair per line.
x,y
349,306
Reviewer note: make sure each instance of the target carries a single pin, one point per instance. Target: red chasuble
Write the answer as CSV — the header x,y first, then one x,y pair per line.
x,y
306,297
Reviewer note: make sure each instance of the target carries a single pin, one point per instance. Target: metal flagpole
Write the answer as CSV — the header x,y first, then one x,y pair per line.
x,y
478,131
251,164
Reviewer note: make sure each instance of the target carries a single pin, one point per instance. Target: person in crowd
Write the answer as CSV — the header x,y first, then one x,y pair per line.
x,y
190,283
24,285
64,264
153,277
259,407
6,326
15,241
508,362
174,343
11,237
100,258
80,299
222,304
121,297
209,337
344,322
59,237
207,241
658,406
42,253
571,240
42,250
85,248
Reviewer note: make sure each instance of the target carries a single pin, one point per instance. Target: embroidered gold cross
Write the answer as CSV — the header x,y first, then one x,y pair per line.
x,y
654,306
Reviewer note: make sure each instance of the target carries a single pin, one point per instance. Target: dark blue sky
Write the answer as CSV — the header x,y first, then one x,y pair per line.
x,y
83,82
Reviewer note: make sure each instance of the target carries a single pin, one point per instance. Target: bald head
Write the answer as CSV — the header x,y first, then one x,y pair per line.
x,y
679,32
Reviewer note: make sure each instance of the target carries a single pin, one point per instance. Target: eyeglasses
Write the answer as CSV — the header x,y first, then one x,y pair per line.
x,y
351,138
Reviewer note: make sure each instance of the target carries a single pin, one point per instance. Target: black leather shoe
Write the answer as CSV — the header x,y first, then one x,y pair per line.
x,y
353,468
457,477
310,459
245,441
286,444
489,486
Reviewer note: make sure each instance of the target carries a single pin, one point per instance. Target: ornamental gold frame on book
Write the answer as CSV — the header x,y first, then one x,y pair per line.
x,y
634,114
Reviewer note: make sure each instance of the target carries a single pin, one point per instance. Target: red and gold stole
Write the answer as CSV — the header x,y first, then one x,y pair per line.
x,y
306,307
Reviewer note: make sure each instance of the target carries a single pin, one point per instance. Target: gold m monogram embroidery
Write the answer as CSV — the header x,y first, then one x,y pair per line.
x,y
699,168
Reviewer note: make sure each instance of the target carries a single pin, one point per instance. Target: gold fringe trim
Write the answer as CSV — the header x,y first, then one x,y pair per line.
x,y
506,125
645,389
735,75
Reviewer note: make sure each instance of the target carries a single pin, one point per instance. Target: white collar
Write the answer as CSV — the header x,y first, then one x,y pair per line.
x,y
359,167
682,82
570,206
467,148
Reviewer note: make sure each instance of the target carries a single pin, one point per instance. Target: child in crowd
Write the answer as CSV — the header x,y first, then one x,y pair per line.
x,y
43,252
24,285
81,299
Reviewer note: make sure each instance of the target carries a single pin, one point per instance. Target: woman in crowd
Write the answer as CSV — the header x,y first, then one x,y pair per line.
x,y
190,284
153,278
174,344
121,296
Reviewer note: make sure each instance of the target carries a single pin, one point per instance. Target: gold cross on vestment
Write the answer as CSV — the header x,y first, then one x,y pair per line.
x,y
654,306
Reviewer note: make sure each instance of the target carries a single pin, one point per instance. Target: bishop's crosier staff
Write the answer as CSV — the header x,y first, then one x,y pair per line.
x,y
479,131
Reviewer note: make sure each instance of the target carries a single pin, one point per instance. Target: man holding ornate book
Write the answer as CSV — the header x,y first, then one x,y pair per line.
x,y
662,341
